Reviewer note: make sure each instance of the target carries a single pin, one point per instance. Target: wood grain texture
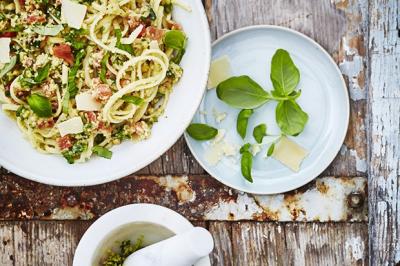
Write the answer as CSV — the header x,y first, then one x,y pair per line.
x,y
246,243
384,137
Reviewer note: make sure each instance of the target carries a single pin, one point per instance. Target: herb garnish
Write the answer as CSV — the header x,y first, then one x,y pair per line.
x,y
176,40
259,132
201,131
40,105
242,121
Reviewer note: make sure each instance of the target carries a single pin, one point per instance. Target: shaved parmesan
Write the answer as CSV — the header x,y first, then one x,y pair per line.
x,y
220,148
218,115
86,102
73,13
134,35
5,50
289,153
220,70
71,126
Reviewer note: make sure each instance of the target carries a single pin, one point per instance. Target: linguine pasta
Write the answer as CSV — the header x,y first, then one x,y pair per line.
x,y
75,91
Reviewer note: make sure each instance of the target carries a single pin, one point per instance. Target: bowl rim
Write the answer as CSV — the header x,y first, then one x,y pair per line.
x,y
162,149
346,104
139,212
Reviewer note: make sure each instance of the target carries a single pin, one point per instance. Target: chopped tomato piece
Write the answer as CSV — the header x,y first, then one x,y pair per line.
x,y
21,2
8,34
65,142
91,116
63,51
154,33
34,19
46,123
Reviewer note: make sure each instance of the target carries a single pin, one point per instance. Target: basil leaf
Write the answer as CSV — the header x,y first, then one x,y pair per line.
x,y
49,30
260,132
242,92
271,150
132,99
176,39
242,121
246,165
103,71
72,89
284,74
290,117
244,148
102,152
8,67
40,105
125,47
42,73
201,131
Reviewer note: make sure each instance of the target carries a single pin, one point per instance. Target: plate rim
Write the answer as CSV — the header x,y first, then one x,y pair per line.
x,y
135,167
288,187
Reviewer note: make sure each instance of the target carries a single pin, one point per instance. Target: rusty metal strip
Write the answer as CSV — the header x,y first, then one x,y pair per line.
x,y
196,197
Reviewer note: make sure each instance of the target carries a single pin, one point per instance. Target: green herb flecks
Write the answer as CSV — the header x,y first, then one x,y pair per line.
x,y
125,47
72,88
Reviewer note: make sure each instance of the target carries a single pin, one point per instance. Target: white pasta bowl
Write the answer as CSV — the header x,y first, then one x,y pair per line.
x,y
18,156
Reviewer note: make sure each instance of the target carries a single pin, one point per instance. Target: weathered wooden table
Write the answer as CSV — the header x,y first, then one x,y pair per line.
x,y
323,223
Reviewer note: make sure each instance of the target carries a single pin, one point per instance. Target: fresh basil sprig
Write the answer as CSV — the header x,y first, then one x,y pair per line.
x,y
201,131
102,152
176,40
242,121
259,132
290,117
40,105
246,162
242,92
284,74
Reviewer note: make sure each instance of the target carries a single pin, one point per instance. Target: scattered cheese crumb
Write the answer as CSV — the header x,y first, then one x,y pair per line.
x,y
219,116
73,13
255,149
219,148
71,126
289,153
220,70
86,102
5,50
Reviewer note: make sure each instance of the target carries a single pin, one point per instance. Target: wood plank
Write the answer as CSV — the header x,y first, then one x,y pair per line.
x,y
196,197
222,233
384,138
299,244
246,243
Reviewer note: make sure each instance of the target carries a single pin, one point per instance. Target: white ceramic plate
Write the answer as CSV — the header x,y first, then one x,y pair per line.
x,y
324,97
17,155
129,222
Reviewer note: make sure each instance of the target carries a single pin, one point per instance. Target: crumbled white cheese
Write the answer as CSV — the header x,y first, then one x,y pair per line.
x,y
71,126
255,149
219,116
73,13
220,70
219,148
5,50
86,102
289,153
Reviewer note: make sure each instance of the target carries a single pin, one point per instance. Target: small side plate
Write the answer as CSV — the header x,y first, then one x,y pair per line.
x,y
324,97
